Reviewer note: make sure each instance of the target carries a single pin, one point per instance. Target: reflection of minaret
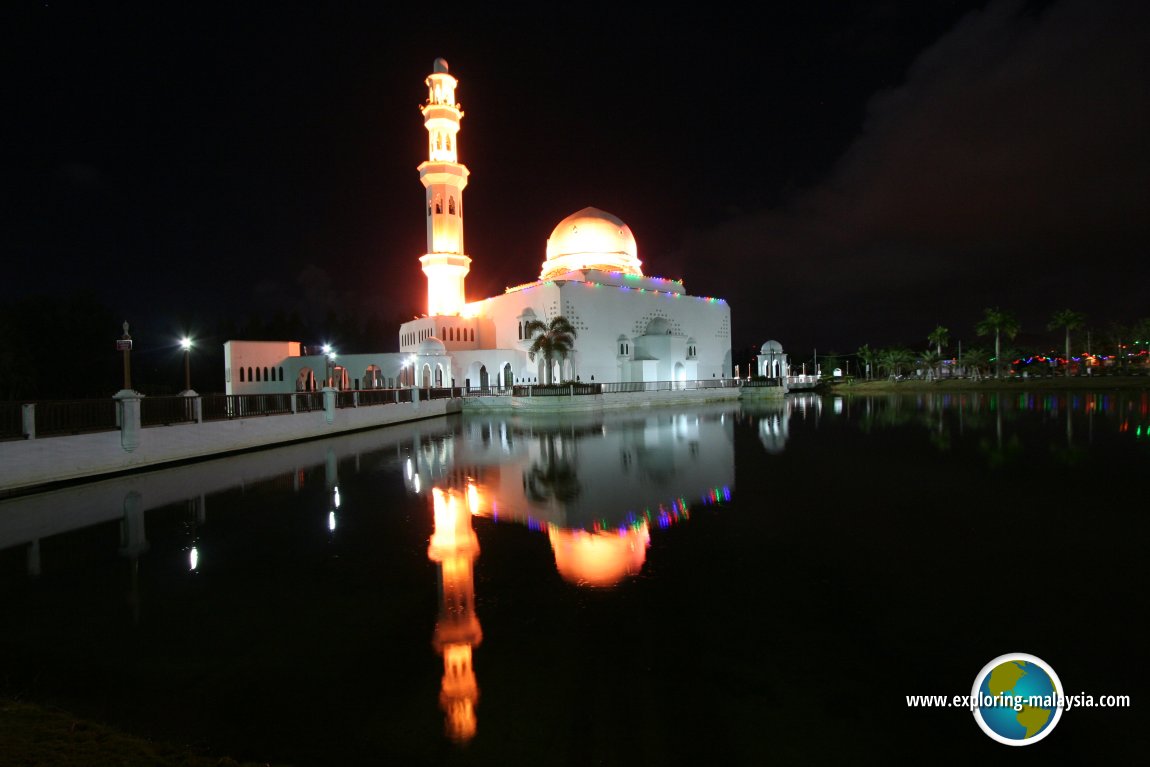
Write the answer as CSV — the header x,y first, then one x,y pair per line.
x,y
444,179
133,543
454,546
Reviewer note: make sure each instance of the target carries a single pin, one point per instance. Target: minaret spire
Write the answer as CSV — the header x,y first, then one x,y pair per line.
x,y
444,179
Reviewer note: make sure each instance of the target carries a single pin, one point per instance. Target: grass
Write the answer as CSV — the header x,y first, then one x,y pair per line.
x,y
34,736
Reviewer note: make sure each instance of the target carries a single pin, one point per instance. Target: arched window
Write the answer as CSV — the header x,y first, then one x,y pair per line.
x,y
250,379
257,374
439,141
266,378
281,373
451,205
449,143
438,204
520,331
241,375
429,206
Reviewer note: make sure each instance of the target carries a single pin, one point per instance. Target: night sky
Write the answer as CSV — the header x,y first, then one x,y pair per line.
x,y
841,173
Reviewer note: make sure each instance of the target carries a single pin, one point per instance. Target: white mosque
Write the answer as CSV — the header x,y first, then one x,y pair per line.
x,y
629,326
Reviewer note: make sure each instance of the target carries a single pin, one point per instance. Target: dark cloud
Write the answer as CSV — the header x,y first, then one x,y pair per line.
x,y
1010,165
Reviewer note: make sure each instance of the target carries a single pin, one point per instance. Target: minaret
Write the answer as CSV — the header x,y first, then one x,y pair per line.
x,y
443,178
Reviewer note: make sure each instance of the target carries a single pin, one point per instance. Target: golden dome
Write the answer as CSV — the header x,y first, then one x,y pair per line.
x,y
591,239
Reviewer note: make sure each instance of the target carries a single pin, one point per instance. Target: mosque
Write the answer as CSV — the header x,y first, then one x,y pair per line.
x,y
629,326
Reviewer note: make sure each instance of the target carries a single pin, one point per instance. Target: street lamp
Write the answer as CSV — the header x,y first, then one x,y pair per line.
x,y
186,345
329,365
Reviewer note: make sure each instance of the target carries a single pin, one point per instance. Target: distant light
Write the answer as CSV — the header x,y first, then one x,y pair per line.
x,y
194,558
185,343
331,521
335,497
415,481
327,348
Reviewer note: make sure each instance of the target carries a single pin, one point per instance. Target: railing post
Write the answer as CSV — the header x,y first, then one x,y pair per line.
x,y
294,403
198,408
329,404
415,397
28,417
355,399
129,409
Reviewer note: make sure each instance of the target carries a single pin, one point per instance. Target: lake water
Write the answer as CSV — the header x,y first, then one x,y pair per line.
x,y
724,585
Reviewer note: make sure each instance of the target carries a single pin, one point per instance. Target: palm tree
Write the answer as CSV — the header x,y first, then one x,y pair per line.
x,y
868,357
999,323
894,359
1068,320
931,360
938,337
552,339
975,360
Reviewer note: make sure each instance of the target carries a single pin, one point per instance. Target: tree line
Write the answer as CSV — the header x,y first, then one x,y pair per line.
x,y
1125,344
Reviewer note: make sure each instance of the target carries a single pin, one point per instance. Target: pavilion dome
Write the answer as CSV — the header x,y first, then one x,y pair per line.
x,y
431,347
771,347
591,239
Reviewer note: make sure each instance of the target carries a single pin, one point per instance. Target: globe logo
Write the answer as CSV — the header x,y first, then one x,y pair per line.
x,y
1016,699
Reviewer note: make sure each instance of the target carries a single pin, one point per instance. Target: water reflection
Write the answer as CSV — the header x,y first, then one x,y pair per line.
x,y
596,487
454,547
602,491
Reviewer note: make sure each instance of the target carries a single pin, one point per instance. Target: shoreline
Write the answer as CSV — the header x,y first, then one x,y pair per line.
x,y
1012,384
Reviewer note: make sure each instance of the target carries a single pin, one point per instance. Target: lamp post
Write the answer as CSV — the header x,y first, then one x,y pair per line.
x,y
124,344
329,365
186,345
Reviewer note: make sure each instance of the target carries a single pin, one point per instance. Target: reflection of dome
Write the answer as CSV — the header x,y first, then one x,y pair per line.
x,y
431,347
771,347
591,239
658,327
599,559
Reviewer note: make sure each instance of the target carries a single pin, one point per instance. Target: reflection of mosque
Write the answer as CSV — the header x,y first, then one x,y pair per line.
x,y
595,487
598,488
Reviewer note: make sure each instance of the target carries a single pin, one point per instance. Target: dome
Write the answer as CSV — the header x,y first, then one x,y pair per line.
x,y
771,347
658,327
431,347
439,65
599,559
591,239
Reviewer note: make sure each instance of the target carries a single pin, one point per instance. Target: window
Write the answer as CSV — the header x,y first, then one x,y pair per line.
x,y
449,143
241,375
257,374
281,373
266,378
451,205
429,207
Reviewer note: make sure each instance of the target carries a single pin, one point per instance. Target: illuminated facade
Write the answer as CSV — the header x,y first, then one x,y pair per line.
x,y
630,326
